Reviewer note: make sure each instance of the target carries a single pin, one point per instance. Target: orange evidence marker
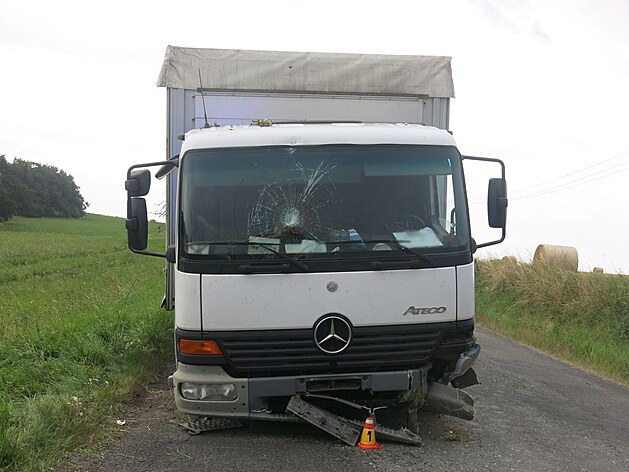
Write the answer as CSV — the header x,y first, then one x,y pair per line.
x,y
368,437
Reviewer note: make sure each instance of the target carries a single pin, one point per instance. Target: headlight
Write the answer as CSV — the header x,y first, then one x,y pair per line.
x,y
213,392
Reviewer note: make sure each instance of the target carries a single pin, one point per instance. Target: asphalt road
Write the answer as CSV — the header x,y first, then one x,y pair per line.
x,y
533,413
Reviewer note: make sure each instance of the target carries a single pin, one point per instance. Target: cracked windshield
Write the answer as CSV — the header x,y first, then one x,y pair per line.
x,y
321,200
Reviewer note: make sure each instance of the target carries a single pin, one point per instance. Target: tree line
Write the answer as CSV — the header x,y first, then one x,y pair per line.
x,y
36,190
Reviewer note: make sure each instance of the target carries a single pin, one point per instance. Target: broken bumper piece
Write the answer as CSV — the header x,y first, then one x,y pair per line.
x,y
449,401
345,429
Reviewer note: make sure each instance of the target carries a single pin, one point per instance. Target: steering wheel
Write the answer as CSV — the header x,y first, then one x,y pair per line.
x,y
404,222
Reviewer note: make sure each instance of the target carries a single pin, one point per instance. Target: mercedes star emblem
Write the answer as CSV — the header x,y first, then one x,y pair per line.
x,y
332,334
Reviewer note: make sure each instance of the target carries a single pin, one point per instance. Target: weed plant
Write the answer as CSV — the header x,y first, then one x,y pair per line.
x,y
80,330
580,317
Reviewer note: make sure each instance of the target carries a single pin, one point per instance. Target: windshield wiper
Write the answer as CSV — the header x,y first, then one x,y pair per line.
x,y
398,244
295,262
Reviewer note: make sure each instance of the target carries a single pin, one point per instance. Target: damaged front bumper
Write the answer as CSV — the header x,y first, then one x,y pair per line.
x,y
204,390
462,375
255,397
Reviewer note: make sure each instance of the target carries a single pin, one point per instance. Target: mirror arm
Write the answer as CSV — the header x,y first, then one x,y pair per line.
x,y
487,159
148,164
497,241
503,202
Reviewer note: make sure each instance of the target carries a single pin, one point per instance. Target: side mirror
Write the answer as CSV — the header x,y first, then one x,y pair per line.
x,y
167,168
497,203
139,183
137,224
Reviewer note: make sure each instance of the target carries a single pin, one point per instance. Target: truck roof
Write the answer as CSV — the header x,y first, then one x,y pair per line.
x,y
306,72
299,134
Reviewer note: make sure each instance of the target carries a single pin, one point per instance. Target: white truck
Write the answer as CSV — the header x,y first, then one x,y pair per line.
x,y
318,235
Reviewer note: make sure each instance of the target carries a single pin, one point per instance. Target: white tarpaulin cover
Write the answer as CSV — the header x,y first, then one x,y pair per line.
x,y
311,72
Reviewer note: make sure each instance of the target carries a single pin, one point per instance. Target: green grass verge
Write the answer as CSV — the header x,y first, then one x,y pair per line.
x,y
582,318
80,330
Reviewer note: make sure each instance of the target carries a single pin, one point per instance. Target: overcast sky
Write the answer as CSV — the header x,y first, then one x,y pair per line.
x,y
539,84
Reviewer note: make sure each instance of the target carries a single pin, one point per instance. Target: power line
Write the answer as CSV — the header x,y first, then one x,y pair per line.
x,y
569,184
578,171
566,186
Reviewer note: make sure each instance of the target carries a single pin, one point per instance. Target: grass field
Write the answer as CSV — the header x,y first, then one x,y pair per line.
x,y
582,318
80,330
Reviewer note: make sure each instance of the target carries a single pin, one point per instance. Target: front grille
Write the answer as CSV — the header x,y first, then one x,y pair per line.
x,y
293,352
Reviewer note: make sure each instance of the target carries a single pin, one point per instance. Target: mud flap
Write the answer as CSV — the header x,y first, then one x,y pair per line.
x,y
200,424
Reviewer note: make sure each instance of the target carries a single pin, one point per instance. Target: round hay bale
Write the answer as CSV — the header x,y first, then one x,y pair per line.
x,y
560,257
510,259
598,270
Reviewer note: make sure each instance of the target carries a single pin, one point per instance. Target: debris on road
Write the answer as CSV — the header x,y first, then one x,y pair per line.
x,y
345,429
337,426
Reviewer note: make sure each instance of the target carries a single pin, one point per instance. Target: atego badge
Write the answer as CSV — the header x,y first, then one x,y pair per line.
x,y
429,310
